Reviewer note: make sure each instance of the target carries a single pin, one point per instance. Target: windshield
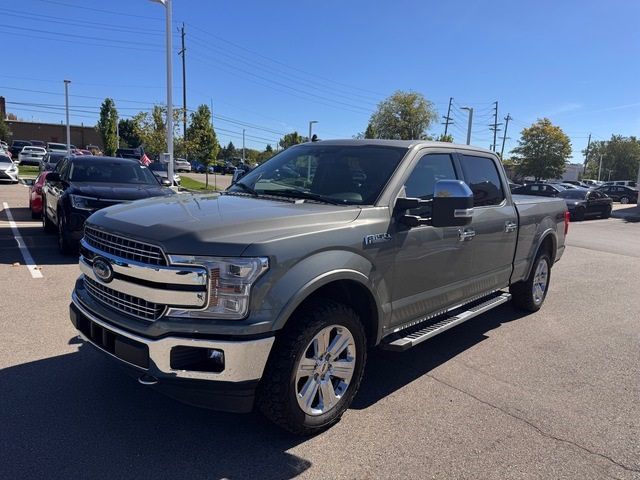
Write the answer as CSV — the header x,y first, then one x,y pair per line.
x,y
34,149
158,167
110,172
53,158
4,159
574,194
350,174
57,146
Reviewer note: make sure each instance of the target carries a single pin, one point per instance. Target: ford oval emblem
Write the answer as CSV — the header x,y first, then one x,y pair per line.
x,y
102,269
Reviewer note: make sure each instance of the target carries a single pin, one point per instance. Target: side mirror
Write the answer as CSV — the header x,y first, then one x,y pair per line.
x,y
452,204
165,182
53,177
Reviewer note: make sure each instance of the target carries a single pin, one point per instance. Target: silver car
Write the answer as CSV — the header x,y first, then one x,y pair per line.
x,y
8,170
181,165
31,155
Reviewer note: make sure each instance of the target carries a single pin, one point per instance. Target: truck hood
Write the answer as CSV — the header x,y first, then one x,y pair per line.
x,y
217,224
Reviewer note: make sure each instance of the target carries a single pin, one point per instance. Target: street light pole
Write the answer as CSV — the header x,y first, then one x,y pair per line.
x,y
470,109
243,145
168,7
600,167
66,108
311,127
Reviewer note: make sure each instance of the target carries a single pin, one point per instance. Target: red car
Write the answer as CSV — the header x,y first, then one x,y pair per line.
x,y
35,195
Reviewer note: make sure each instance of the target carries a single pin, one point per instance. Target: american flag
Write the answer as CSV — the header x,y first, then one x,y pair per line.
x,y
144,160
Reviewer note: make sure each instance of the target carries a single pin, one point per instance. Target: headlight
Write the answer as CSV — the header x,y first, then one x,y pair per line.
x,y
230,281
83,203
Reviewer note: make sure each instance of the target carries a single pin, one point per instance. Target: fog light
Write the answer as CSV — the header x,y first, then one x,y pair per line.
x,y
197,359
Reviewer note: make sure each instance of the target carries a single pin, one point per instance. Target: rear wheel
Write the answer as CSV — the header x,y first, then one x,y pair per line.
x,y
624,200
529,294
315,368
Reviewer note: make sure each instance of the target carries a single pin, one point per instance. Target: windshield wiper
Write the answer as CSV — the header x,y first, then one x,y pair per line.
x,y
246,188
304,195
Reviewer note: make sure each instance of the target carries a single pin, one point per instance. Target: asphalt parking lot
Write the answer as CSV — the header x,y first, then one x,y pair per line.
x,y
551,395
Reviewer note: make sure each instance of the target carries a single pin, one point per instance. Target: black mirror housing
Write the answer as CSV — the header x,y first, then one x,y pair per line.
x,y
53,177
452,204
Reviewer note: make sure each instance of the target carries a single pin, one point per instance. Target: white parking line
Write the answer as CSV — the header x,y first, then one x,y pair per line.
x,y
34,270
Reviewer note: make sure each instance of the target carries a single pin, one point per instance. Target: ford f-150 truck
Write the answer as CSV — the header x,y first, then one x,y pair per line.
x,y
270,294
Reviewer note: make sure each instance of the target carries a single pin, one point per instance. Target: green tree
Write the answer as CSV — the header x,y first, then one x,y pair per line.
x,y
129,133
291,139
266,154
445,138
201,140
107,126
620,158
5,133
402,116
542,151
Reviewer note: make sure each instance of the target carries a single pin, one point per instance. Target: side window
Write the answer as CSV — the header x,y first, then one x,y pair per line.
x,y
482,177
64,169
534,188
421,183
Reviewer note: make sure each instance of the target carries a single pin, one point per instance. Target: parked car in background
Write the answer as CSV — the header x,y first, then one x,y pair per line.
x,y
35,195
81,185
539,189
575,183
591,183
4,150
8,170
58,147
181,165
4,145
584,203
38,143
619,193
80,151
513,185
94,149
134,153
624,183
238,173
159,169
17,146
51,159
31,155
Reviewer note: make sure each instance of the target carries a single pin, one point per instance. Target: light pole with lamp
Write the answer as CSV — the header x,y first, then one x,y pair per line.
x,y
310,127
168,7
470,110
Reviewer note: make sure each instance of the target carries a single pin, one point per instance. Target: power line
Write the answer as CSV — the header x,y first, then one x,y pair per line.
x,y
99,10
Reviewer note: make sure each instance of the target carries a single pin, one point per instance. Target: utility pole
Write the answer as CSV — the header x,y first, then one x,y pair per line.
x,y
470,110
184,84
586,155
243,145
504,137
600,168
311,128
494,127
117,132
447,119
66,108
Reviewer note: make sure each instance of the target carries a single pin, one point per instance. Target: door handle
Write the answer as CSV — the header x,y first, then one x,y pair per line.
x,y
464,235
510,226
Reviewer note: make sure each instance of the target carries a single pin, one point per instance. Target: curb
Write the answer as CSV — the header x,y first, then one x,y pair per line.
x,y
631,214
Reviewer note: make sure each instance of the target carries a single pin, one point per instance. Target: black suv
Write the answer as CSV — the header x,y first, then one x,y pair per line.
x,y
619,193
81,185
17,146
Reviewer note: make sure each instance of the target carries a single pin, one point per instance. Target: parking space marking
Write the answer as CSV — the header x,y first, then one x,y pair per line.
x,y
34,270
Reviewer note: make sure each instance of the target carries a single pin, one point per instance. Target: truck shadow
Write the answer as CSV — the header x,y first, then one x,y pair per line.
x,y
77,416
387,372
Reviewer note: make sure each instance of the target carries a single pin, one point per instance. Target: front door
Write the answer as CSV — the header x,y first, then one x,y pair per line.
x,y
431,263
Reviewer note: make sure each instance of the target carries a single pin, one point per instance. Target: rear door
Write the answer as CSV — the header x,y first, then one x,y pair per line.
x,y
494,224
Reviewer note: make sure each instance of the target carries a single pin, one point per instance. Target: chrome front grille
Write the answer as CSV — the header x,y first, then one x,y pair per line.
x,y
128,304
124,247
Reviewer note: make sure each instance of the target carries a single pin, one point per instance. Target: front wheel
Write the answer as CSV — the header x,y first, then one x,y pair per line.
x,y
64,243
578,214
607,212
47,226
315,369
529,294
624,200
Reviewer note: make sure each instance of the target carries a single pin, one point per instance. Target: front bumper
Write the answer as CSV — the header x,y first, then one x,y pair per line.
x,y
9,176
231,389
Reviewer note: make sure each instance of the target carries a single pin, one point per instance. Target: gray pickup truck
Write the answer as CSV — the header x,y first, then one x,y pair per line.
x,y
270,294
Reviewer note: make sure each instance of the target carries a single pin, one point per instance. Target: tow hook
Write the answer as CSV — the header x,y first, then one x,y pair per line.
x,y
147,379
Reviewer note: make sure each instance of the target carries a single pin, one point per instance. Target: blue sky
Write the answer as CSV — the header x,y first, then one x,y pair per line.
x,y
270,67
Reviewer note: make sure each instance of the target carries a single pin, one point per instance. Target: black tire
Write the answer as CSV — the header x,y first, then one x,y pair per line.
x,y
47,226
34,215
607,212
624,199
277,396
578,214
65,244
522,294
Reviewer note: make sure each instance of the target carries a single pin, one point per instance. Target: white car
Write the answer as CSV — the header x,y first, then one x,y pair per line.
x,y
181,165
31,155
8,170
